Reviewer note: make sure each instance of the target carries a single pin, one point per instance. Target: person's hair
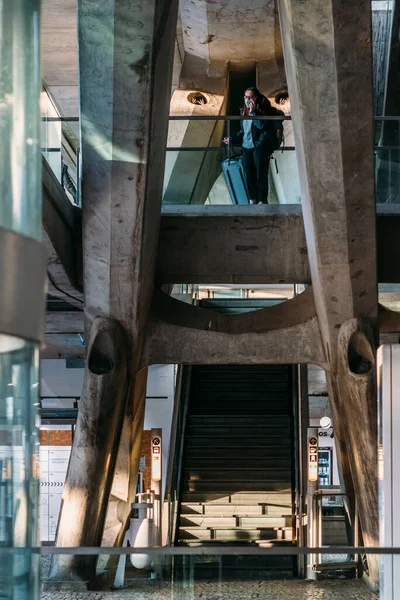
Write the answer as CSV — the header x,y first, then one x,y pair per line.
x,y
253,89
257,94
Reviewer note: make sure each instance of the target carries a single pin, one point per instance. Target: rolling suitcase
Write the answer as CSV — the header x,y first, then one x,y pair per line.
x,y
236,180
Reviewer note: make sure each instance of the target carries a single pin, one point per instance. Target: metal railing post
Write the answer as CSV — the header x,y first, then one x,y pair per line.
x,y
355,529
78,177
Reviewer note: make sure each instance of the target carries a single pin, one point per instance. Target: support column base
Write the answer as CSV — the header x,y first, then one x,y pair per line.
x,y
372,585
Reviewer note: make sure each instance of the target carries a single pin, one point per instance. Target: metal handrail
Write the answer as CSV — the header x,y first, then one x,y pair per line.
x,y
219,148
205,550
61,119
219,118
176,454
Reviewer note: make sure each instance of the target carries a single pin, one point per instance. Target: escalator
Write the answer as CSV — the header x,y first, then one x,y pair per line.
x,y
237,466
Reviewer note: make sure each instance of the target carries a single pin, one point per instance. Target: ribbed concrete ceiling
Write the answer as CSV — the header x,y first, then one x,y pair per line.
x,y
221,30
215,30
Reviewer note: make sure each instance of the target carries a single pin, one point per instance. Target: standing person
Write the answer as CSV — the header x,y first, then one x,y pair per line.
x,y
258,139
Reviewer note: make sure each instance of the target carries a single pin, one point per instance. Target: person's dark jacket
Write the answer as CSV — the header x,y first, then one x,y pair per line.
x,y
264,133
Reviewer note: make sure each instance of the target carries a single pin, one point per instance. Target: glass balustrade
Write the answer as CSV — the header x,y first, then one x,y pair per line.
x,y
201,169
387,160
231,573
196,157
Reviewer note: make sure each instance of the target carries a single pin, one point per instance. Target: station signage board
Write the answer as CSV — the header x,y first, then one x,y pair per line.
x,y
156,454
313,458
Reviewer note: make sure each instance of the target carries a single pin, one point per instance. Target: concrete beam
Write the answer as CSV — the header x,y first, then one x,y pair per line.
x,y
55,346
167,343
287,333
229,31
233,244
61,326
253,245
59,284
62,227
64,322
280,316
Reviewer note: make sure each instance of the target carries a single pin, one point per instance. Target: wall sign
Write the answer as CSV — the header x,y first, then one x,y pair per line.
x,y
156,458
313,458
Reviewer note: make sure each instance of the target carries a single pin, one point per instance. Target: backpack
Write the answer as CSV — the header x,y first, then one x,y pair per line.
x,y
278,126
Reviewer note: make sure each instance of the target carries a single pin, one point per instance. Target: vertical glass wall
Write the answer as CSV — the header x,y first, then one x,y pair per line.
x,y
20,168
19,464
51,135
20,212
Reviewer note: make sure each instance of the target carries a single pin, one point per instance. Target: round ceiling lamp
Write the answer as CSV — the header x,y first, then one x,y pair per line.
x,y
325,422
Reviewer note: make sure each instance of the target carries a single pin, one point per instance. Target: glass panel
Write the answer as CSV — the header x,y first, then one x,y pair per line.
x,y
19,469
389,296
200,169
51,131
387,173
382,15
387,161
59,145
20,173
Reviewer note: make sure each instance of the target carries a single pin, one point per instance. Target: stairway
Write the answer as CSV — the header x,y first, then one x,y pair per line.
x,y
237,471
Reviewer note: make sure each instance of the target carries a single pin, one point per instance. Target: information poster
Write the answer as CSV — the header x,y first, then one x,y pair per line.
x,y
53,470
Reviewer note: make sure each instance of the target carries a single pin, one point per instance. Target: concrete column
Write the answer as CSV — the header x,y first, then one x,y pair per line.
x,y
126,52
127,467
327,49
125,476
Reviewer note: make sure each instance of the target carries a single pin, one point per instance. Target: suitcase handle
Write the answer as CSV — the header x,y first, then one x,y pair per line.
x,y
229,150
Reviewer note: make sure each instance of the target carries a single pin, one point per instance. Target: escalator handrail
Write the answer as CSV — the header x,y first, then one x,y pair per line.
x,y
173,483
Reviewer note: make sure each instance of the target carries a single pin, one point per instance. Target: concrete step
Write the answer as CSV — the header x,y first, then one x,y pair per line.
x,y
254,497
236,475
236,486
234,450
242,421
251,522
277,413
283,534
221,410
250,510
262,431
226,534
237,441
225,462
241,387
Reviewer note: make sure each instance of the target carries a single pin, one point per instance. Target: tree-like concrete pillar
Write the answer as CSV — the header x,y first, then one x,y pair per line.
x,y
127,467
126,52
327,49
94,451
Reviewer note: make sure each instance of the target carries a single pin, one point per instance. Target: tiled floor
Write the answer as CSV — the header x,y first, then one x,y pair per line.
x,y
144,589
237,590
